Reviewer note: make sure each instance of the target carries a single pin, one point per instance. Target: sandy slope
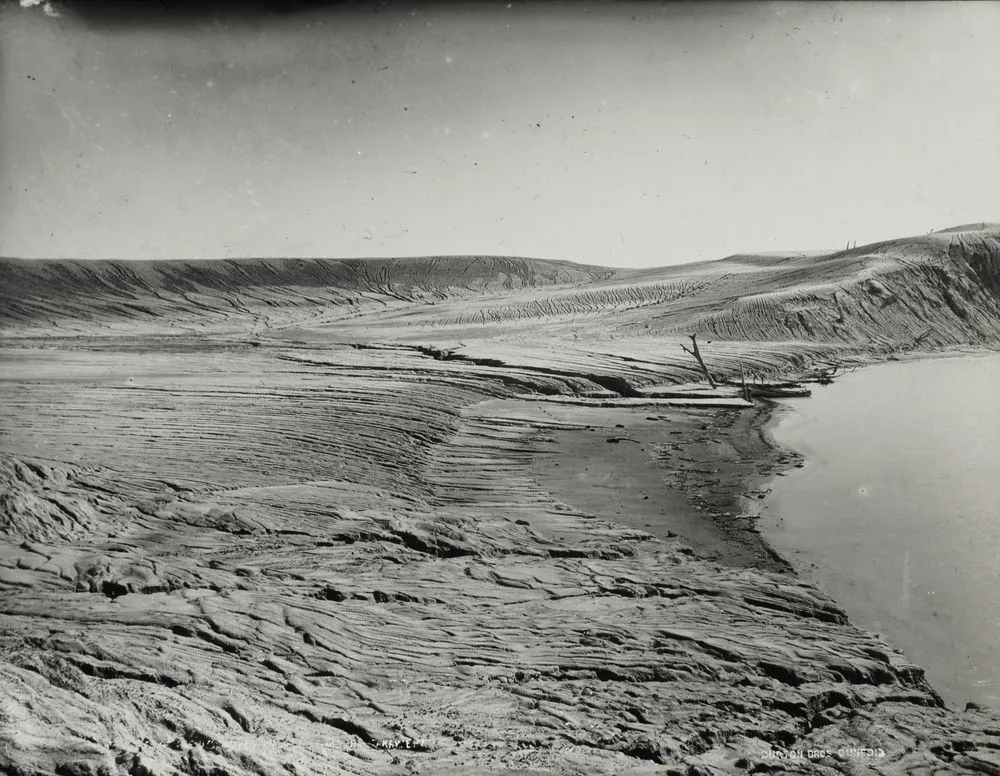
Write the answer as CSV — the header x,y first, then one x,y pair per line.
x,y
300,517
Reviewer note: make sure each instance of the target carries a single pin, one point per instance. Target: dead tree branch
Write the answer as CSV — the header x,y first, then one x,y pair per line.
x,y
696,354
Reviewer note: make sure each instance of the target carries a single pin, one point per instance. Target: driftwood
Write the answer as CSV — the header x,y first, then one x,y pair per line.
x,y
824,375
779,392
696,354
761,389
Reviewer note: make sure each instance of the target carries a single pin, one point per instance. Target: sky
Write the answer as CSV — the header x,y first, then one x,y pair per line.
x,y
620,134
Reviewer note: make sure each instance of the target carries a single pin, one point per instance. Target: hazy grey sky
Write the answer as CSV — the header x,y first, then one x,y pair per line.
x,y
622,134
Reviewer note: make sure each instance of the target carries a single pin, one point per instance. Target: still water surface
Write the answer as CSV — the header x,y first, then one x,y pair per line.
x,y
896,513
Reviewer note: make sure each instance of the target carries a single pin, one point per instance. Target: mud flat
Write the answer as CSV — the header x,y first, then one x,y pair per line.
x,y
300,517
693,474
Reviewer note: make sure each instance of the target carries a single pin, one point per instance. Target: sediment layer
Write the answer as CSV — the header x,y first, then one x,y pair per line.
x,y
308,517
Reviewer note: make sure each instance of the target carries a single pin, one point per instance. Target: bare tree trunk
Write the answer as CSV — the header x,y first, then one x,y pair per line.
x,y
697,356
743,383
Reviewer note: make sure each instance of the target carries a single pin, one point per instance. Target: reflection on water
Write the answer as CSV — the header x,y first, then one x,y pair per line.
x,y
897,511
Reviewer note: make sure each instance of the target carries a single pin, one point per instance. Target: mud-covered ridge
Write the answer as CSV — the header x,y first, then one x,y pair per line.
x,y
39,292
937,290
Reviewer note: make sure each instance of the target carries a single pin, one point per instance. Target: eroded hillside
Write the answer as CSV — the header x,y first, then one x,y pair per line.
x,y
290,517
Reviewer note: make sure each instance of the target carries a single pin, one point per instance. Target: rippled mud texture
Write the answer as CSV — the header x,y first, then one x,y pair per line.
x,y
307,517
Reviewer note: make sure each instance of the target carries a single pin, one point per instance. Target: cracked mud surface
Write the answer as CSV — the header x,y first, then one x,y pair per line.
x,y
296,518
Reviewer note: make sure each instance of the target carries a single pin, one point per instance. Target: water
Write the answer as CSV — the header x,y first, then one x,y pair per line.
x,y
897,512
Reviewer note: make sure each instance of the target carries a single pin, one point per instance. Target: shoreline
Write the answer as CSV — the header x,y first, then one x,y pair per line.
x,y
696,475
722,528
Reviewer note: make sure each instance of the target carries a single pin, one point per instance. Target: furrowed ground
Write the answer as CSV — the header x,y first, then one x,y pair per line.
x,y
287,517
